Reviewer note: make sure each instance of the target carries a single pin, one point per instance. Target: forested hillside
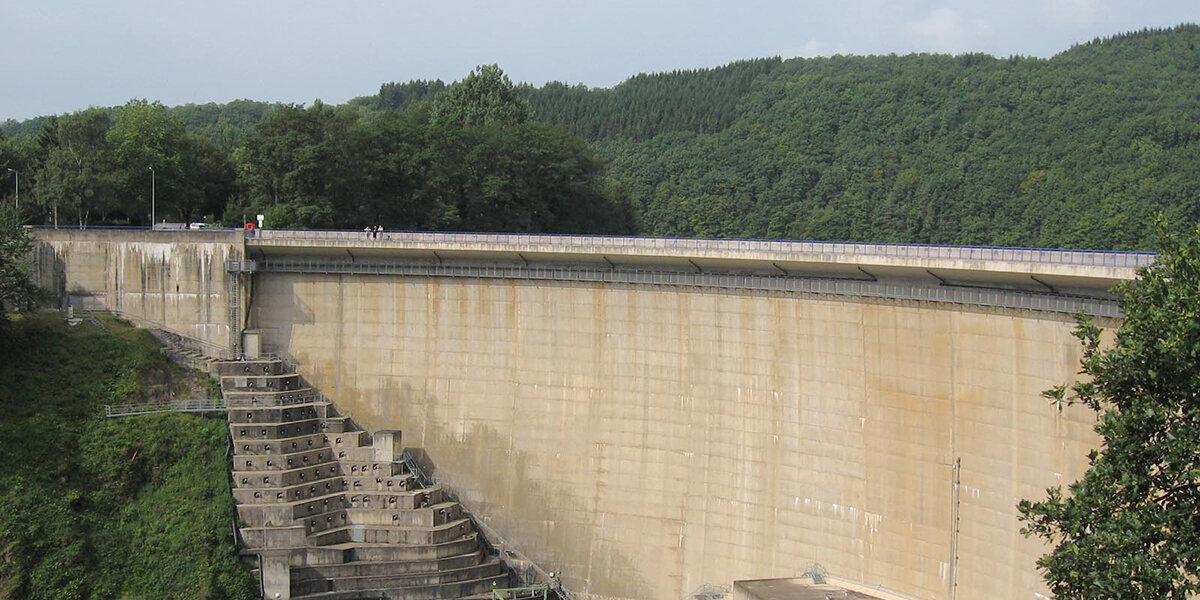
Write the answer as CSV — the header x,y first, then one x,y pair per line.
x,y
1079,150
701,101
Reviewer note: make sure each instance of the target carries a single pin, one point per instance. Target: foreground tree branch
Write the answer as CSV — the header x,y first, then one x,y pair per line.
x,y
1130,528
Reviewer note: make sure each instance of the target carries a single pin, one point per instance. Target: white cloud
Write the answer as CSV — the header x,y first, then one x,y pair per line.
x,y
947,30
1073,14
814,48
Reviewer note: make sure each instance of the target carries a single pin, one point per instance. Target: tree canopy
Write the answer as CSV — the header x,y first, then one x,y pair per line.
x,y
1130,527
1079,150
485,97
94,166
17,291
479,166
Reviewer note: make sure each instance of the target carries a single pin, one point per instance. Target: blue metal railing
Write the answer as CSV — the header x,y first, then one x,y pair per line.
x,y
77,227
1107,258
784,249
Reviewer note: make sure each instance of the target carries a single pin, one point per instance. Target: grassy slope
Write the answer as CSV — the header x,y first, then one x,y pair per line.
x,y
80,517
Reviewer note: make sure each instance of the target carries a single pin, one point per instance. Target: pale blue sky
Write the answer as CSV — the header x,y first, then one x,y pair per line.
x,y
60,56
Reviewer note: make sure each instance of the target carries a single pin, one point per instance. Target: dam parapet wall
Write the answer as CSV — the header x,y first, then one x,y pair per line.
x,y
718,255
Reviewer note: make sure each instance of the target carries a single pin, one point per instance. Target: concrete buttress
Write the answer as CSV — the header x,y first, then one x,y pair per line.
x,y
332,512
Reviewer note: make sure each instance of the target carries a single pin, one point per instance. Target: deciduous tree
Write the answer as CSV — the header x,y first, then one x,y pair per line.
x,y
144,135
75,173
1130,528
17,291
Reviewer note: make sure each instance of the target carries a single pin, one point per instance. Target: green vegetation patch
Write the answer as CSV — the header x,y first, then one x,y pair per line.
x,y
92,507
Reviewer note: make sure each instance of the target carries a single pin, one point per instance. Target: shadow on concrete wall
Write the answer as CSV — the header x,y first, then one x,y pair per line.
x,y
278,335
48,270
589,567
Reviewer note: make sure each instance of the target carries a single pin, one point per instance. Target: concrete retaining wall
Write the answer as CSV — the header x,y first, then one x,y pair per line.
x,y
173,280
646,440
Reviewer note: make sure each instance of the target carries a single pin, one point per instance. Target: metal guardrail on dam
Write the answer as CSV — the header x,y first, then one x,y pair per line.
x,y
842,287
1098,258
567,242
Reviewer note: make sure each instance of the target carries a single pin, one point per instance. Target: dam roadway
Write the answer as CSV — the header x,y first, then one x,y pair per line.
x,y
651,415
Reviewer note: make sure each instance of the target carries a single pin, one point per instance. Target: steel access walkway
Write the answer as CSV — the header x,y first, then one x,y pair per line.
x,y
149,408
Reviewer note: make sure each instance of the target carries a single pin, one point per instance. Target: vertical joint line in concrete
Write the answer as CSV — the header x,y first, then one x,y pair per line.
x,y
957,466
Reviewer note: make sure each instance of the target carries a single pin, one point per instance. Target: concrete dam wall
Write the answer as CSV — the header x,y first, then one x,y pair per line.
x,y
650,416
648,441
171,280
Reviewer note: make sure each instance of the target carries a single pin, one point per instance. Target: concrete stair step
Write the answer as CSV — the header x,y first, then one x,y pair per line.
x,y
259,381
392,500
320,504
394,534
387,567
277,431
286,515
294,493
273,537
394,513
382,499
316,525
309,475
437,577
258,367
345,552
250,393
277,447
305,407
378,484
309,457
459,589
280,466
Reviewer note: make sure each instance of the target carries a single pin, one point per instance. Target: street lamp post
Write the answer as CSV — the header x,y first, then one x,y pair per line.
x,y
152,176
17,198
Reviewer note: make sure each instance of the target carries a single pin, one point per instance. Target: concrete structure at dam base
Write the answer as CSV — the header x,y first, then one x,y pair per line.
x,y
650,417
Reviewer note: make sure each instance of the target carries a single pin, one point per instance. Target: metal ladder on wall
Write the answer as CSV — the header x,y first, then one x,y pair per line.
x,y
236,268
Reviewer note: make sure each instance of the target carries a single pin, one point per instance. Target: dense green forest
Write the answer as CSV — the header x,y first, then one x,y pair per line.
x,y
97,508
1079,150
470,159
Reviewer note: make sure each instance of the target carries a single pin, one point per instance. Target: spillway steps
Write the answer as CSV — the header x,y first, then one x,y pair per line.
x,y
331,511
